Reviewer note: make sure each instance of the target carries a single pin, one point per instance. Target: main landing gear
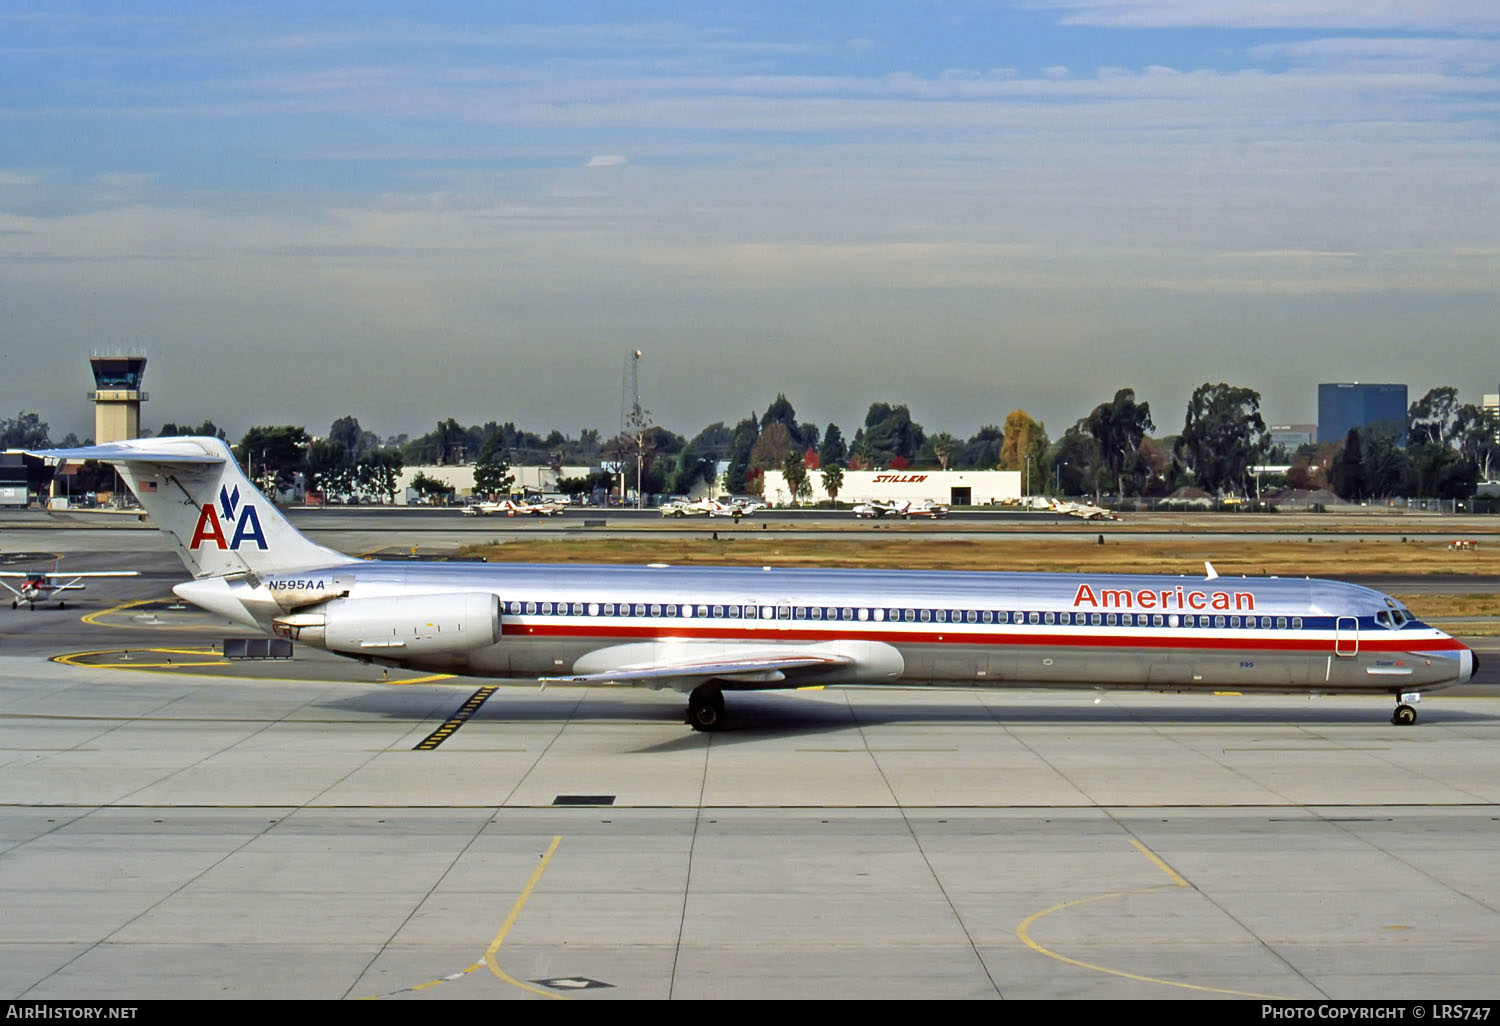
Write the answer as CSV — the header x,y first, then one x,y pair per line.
x,y
705,709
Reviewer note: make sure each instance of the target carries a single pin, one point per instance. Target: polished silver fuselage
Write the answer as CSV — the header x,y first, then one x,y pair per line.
x,y
910,627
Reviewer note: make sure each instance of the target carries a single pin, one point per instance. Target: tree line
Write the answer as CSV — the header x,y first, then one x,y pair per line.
x,y
1442,450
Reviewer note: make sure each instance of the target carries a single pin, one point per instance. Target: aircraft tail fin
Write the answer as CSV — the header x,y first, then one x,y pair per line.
x,y
196,493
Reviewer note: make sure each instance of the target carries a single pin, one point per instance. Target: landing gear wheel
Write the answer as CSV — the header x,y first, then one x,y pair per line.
x,y
705,709
1404,716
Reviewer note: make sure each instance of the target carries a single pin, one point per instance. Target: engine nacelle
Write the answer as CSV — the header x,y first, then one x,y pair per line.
x,y
400,626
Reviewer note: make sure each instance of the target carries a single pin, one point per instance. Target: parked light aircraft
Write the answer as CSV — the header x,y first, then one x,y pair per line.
x,y
703,508
511,508
875,509
41,585
904,509
1082,510
706,630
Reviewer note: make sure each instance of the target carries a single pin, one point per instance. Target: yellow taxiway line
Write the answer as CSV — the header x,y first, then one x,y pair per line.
x,y
1024,932
493,950
510,920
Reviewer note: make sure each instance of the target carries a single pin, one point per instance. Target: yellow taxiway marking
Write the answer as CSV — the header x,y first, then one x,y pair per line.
x,y
1024,932
490,952
92,619
73,659
77,659
510,920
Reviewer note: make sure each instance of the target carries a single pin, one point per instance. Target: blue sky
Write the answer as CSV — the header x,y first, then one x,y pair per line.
x,y
411,211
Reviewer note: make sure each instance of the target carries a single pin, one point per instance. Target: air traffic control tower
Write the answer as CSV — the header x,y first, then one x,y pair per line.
x,y
117,396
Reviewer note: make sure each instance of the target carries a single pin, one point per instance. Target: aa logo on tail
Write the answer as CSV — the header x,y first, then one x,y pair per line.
x,y
246,523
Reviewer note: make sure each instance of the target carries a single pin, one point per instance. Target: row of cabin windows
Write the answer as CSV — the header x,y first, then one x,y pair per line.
x,y
901,615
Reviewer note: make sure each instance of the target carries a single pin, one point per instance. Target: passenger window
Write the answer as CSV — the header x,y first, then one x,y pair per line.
x,y
986,616
1033,618
1281,623
864,614
1296,623
1049,618
593,609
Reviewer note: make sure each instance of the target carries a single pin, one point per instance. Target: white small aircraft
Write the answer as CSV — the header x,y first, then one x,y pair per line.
x,y
41,585
875,509
702,508
927,509
1082,510
511,508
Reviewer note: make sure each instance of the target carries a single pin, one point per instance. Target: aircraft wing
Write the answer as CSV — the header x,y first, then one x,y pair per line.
x,y
687,673
71,578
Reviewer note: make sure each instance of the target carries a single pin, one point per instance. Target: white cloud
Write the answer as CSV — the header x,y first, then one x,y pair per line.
x,y
1454,15
607,160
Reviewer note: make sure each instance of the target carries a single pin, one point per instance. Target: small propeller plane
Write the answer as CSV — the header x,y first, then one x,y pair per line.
x,y
41,585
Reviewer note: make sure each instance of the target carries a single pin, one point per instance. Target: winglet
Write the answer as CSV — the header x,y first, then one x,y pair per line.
x,y
1209,572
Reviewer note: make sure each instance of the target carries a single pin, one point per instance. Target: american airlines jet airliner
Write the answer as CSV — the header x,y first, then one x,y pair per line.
x,y
703,631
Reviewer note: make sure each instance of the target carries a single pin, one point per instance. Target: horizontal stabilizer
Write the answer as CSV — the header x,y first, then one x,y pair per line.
x,y
141,450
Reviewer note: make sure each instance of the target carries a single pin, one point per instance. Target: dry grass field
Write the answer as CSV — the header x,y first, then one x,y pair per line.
x,y
1321,556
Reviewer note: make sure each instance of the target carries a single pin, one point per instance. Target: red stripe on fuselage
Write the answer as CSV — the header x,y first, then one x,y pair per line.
x,y
1321,644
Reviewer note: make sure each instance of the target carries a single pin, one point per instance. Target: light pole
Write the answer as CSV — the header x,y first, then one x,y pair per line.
x,y
1057,476
640,426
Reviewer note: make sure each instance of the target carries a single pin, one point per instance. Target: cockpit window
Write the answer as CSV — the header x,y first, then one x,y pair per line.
x,y
1384,619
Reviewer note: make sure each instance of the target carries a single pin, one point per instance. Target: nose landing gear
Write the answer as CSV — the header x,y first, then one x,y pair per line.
x,y
1405,714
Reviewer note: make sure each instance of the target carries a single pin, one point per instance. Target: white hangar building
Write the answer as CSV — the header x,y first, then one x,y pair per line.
x,y
950,487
